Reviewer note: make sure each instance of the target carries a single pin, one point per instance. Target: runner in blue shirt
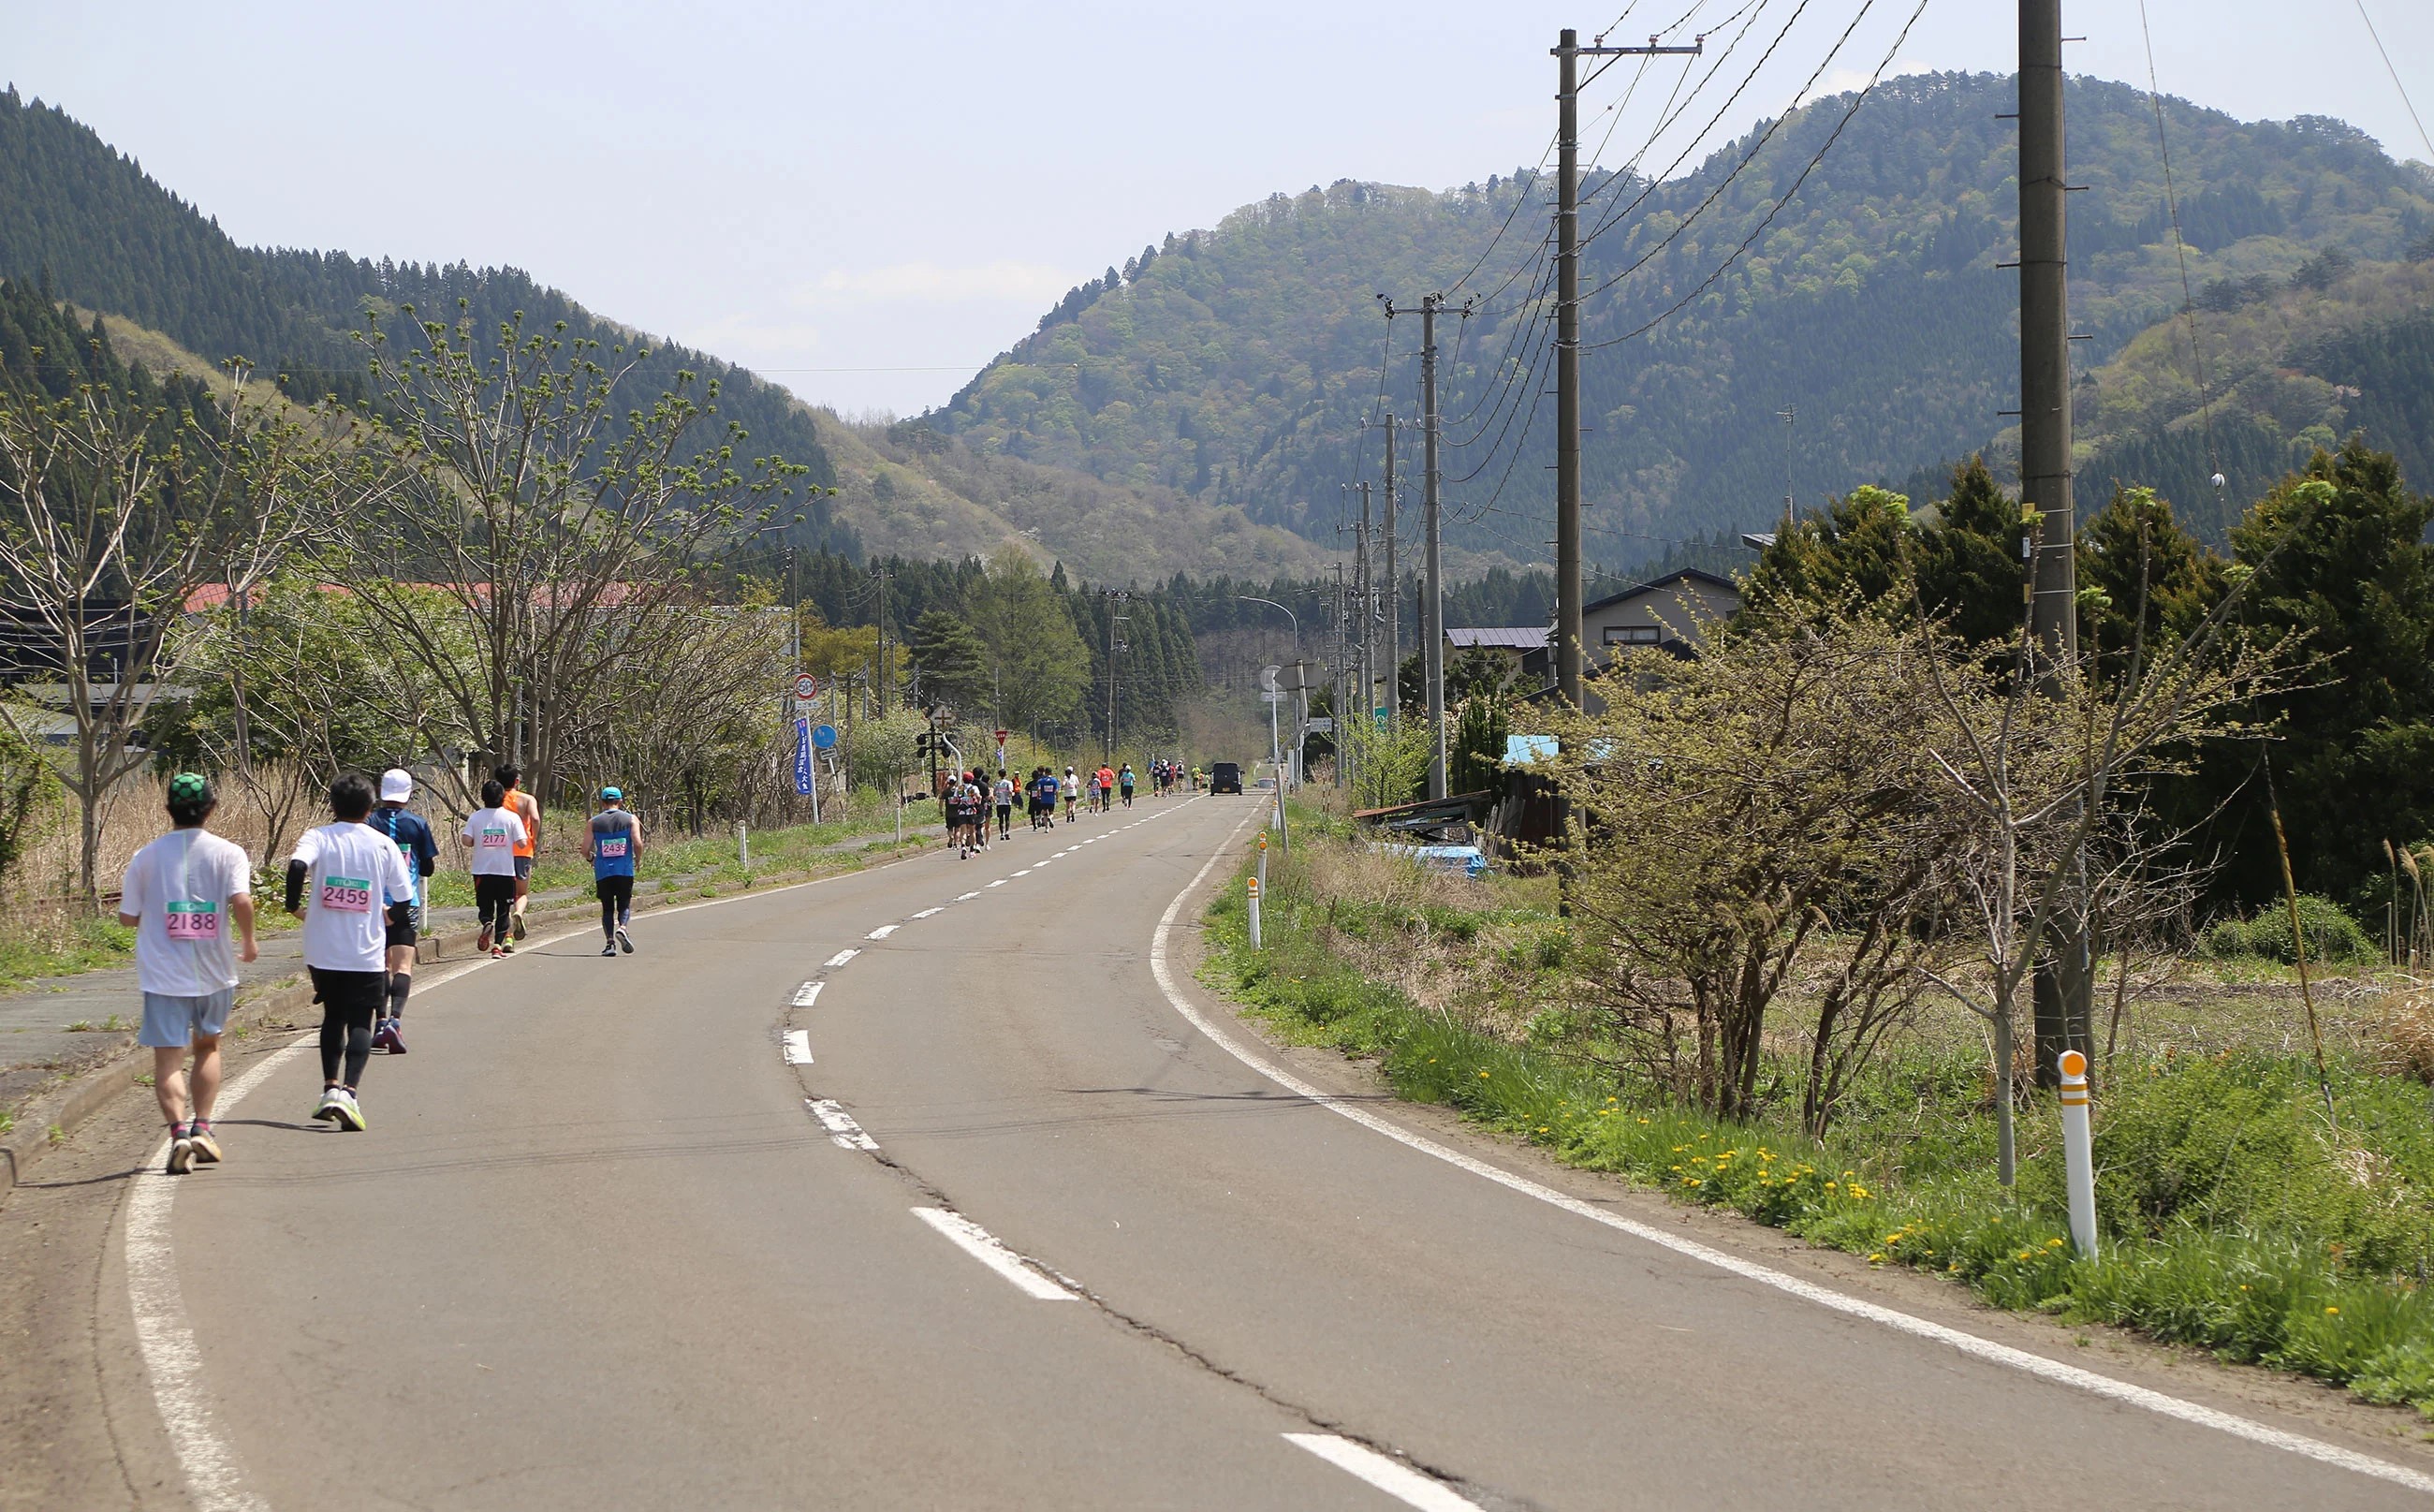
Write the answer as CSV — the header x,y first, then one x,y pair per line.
x,y
614,844
420,853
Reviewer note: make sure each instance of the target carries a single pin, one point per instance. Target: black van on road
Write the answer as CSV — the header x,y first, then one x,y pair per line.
x,y
1224,777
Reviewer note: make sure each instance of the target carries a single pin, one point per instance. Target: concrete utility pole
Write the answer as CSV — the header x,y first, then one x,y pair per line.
x,y
1365,652
1432,585
1569,52
2061,989
1394,591
886,683
1122,598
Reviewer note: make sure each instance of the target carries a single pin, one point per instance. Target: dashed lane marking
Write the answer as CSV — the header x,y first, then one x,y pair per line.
x,y
1398,1480
841,958
883,932
808,994
798,1047
927,912
984,1247
843,1131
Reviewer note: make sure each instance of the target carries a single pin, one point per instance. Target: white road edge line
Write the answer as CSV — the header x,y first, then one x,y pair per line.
x,y
841,958
984,1247
808,994
883,932
843,1131
1400,1480
1969,1343
798,1047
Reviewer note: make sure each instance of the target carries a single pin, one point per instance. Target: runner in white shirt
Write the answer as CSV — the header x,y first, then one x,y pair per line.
x,y
183,895
492,833
355,881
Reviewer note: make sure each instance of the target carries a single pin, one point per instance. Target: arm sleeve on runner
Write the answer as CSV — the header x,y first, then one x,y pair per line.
x,y
296,870
426,852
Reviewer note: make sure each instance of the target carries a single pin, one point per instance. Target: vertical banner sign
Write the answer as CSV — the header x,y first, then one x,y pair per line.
x,y
803,757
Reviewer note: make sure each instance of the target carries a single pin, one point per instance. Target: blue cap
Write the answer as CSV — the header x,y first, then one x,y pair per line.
x,y
612,795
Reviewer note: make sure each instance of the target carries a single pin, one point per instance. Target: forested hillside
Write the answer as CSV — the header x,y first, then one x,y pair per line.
x,y
85,222
1237,364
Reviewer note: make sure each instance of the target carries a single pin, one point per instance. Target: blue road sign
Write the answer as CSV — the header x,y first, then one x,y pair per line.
x,y
804,755
824,736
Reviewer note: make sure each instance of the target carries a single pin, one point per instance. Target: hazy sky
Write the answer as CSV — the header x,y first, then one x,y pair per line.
x,y
821,191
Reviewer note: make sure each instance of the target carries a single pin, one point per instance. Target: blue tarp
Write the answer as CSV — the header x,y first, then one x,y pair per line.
x,y
1467,859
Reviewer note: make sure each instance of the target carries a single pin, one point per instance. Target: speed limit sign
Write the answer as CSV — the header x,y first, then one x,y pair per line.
x,y
807,687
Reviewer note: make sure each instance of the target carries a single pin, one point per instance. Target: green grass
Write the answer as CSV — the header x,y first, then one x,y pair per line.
x,y
2235,1215
84,945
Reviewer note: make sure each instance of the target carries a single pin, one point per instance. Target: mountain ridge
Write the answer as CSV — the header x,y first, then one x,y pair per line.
x,y
1237,363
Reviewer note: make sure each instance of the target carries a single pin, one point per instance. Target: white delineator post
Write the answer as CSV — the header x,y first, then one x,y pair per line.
x,y
1264,860
1255,912
743,846
2077,1154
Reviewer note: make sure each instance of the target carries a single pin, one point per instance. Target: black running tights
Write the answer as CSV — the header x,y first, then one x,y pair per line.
x,y
495,899
350,1002
616,902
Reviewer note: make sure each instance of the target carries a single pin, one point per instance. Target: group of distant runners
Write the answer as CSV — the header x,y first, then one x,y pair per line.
x,y
361,885
971,799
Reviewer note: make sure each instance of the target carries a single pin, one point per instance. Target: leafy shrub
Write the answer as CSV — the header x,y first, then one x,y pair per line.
x,y
2333,936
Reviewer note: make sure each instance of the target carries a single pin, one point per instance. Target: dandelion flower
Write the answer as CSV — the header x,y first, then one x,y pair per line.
x,y
2053,1244
1483,1075
2332,1311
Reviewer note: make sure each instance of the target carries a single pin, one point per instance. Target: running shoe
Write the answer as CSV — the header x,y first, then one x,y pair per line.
x,y
608,948
207,1149
181,1155
519,923
625,941
350,1113
329,1108
506,947
498,952
384,1035
481,944
396,1038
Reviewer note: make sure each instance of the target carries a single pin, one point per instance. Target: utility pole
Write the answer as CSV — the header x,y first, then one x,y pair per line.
x,y
1342,679
887,683
2061,988
1394,591
1432,587
1364,655
1569,52
1122,598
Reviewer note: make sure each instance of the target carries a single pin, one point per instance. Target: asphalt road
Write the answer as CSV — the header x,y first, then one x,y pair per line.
x,y
986,1222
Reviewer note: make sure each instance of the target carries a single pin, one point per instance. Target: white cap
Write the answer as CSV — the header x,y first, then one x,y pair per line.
x,y
397,785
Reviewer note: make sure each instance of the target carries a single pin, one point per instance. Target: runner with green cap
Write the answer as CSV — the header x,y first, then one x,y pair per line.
x,y
184,895
614,844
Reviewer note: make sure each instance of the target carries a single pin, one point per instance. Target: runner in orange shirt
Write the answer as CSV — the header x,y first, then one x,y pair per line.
x,y
528,808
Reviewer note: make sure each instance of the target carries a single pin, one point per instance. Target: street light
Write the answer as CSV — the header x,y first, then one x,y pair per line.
x,y
1301,716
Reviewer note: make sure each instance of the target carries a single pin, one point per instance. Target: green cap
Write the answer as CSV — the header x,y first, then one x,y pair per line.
x,y
189,788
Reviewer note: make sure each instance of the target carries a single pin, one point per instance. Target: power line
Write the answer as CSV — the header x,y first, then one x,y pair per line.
x,y
1785,198
2396,77
1765,137
2180,250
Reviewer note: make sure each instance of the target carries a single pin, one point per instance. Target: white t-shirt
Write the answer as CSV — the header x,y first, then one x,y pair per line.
x,y
495,834
355,873
179,886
